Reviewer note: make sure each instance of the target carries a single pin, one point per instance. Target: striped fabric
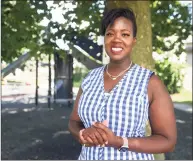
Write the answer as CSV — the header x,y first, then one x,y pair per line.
x,y
125,108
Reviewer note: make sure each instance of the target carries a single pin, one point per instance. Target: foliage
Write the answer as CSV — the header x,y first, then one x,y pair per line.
x,y
171,24
79,73
21,25
169,68
74,18
20,28
170,74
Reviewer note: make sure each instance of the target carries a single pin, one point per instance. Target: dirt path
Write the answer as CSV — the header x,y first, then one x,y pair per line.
x,y
38,133
183,150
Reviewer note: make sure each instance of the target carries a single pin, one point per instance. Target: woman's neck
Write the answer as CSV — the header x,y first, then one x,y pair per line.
x,y
115,66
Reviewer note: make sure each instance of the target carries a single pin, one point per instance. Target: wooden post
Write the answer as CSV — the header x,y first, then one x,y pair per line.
x,y
49,81
36,93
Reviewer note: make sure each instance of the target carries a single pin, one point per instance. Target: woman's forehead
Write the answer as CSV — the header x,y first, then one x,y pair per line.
x,y
121,22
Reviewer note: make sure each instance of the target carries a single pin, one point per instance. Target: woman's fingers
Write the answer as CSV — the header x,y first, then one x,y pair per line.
x,y
89,140
81,138
103,136
94,136
99,138
89,136
83,141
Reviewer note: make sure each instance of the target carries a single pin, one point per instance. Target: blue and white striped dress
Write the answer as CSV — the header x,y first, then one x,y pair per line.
x,y
125,108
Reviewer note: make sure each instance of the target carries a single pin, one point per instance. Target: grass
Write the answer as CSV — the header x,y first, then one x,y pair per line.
x,y
76,84
184,96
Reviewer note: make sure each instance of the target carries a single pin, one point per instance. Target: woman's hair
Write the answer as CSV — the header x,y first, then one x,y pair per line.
x,y
115,13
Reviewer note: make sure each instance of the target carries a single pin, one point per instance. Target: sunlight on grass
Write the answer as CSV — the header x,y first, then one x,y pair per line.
x,y
76,84
184,96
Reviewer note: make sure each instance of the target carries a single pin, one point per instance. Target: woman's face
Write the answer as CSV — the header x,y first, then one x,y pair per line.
x,y
119,39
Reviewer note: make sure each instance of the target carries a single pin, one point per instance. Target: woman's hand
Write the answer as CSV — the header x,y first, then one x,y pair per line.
x,y
83,141
113,140
81,138
94,137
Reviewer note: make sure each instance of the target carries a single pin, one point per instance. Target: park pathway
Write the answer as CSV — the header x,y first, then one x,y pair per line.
x,y
183,150
30,132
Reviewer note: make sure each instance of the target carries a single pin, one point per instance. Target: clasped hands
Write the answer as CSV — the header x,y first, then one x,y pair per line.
x,y
97,135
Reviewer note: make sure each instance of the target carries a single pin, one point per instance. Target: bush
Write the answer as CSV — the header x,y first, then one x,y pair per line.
x,y
78,75
170,72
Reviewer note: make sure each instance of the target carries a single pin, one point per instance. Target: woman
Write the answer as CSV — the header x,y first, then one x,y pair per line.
x,y
115,101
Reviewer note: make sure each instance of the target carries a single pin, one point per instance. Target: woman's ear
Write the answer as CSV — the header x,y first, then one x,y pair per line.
x,y
134,41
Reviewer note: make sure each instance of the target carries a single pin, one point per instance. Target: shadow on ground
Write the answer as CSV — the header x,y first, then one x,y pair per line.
x,y
183,149
30,132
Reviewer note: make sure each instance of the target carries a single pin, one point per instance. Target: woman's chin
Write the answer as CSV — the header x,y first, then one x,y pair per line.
x,y
117,59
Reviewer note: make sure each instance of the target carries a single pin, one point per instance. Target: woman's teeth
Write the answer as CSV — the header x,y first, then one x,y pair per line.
x,y
117,49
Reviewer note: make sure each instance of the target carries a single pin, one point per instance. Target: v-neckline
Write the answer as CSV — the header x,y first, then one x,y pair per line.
x,y
118,83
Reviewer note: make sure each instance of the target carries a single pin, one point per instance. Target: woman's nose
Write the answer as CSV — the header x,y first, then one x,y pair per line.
x,y
117,38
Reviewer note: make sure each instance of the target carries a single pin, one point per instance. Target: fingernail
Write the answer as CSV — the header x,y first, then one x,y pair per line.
x,y
106,142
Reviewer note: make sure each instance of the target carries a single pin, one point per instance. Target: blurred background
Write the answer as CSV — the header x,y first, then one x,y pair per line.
x,y
48,47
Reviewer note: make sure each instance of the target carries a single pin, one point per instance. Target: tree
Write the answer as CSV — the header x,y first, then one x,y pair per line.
x,y
21,25
169,19
171,24
20,28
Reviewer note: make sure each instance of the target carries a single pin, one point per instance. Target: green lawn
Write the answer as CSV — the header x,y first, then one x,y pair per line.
x,y
183,97
76,84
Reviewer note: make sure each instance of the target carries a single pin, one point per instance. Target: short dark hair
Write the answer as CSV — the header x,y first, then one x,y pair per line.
x,y
110,16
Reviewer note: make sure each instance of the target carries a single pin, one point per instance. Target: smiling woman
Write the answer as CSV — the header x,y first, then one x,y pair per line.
x,y
115,101
119,39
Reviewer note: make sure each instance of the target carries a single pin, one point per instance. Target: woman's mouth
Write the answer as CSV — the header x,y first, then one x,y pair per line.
x,y
116,50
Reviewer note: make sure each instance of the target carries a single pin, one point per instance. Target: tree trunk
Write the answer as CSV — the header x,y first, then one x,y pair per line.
x,y
63,79
142,52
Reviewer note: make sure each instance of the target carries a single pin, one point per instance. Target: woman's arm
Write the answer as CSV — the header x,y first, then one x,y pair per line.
x,y
162,121
75,124
90,136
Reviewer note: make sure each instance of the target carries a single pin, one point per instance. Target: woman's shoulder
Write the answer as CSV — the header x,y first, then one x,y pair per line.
x,y
92,74
96,70
153,79
143,68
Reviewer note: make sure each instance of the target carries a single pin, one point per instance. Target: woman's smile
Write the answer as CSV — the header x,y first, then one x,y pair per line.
x,y
116,50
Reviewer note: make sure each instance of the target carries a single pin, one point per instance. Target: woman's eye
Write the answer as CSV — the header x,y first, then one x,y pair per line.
x,y
125,35
109,34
